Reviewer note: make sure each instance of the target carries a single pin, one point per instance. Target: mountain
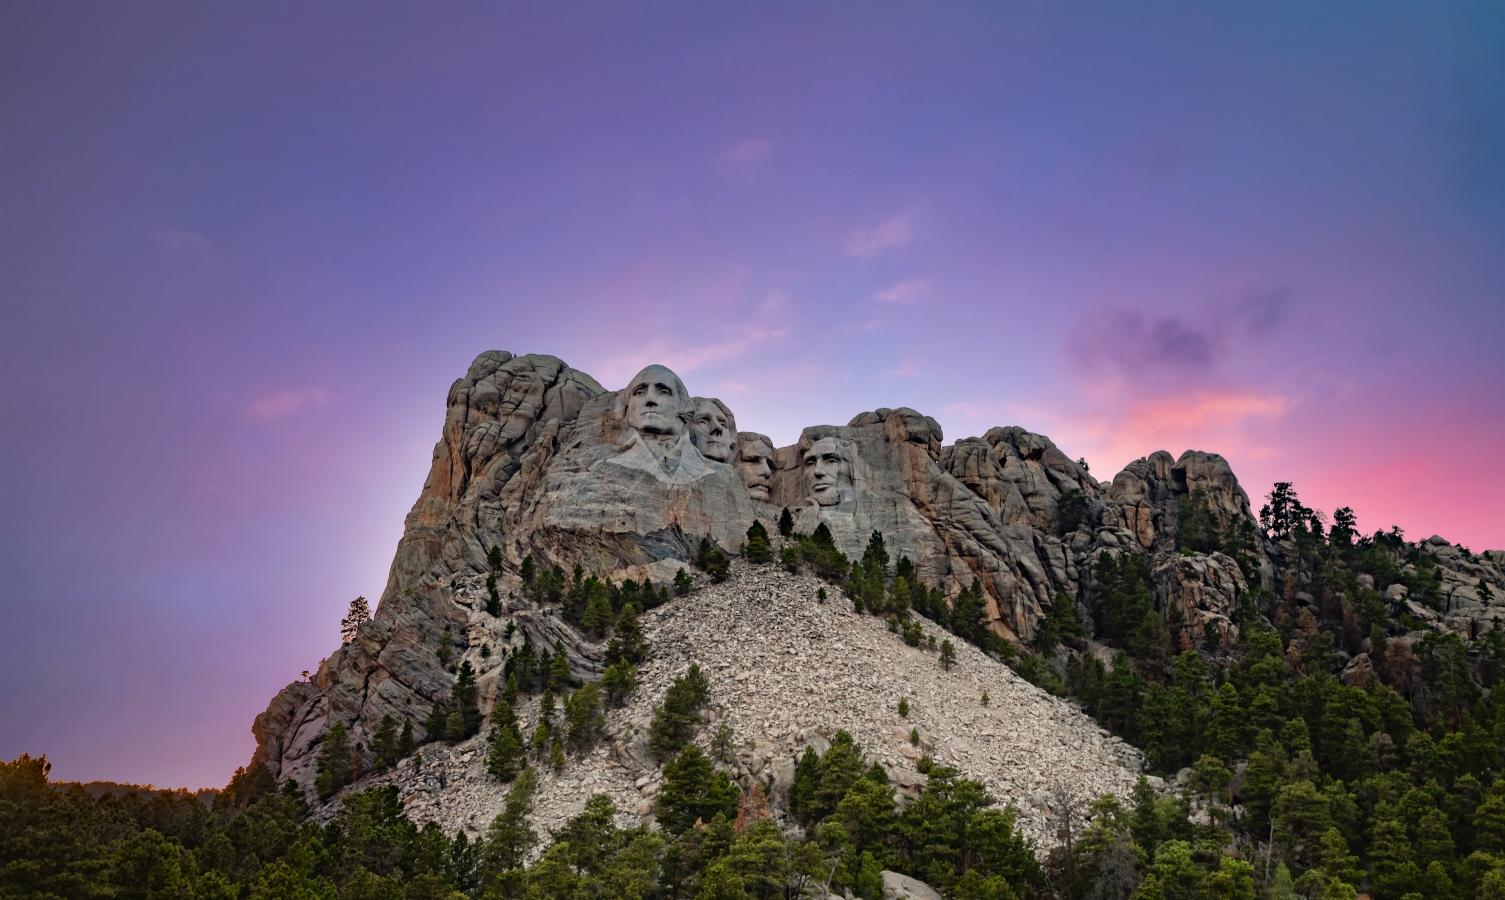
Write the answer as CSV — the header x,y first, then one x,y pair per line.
x,y
546,490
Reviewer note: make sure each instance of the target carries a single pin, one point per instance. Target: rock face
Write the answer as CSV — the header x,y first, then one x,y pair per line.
x,y
785,671
538,459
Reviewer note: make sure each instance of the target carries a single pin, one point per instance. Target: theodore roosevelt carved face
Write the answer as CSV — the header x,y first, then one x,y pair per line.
x,y
827,468
657,403
714,432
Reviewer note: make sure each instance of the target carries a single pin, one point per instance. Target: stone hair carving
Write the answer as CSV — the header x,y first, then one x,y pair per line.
x,y
755,463
827,463
714,431
657,404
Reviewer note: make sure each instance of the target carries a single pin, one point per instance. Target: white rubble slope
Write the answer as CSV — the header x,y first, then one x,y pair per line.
x,y
786,671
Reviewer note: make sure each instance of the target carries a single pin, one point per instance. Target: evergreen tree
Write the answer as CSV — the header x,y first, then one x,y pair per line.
x,y
463,704
509,838
529,570
618,681
758,549
335,769
598,613
693,791
559,669
683,582
505,758
384,742
1073,510
948,655
405,742
786,523
433,726
584,719
674,722
493,596
494,559
1197,527
360,611
627,644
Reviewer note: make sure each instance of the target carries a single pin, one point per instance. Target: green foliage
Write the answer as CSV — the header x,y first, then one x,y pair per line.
x,y
948,655
337,762
683,582
505,756
758,549
786,523
465,717
718,565
674,721
904,707
584,719
1073,510
693,791
619,681
1197,526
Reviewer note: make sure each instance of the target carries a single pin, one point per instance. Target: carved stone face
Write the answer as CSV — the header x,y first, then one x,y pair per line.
x,y
755,465
826,468
657,403
713,432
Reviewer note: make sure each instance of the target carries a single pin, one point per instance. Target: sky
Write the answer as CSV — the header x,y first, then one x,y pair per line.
x,y
246,248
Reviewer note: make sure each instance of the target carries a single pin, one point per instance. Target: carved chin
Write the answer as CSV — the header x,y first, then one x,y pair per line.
x,y
758,491
827,495
652,423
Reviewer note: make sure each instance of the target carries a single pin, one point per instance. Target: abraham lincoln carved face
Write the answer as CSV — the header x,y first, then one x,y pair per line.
x,y
827,468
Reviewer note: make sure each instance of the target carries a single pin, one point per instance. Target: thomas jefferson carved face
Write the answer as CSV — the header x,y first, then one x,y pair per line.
x,y
755,464
826,468
714,433
657,404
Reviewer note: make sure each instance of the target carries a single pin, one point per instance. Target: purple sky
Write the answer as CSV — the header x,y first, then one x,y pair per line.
x,y
245,248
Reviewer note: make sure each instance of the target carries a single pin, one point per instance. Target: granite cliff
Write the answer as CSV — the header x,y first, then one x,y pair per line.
x,y
540,461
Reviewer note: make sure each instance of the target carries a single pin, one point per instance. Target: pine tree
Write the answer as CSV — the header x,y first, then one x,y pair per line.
x,y
494,559
627,644
584,719
529,570
433,726
509,838
560,679
463,704
360,611
618,681
493,596
598,613
718,565
758,549
674,721
384,743
505,758
334,762
405,742
693,791
904,707
786,523
545,728
948,655
683,582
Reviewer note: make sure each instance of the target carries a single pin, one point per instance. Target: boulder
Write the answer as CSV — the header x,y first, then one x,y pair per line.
x,y
902,887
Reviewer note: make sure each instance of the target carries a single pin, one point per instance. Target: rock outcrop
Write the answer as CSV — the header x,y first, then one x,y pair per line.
x,y
537,459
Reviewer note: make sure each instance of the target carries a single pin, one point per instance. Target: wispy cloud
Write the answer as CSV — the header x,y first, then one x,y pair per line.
x,y
904,292
749,151
280,404
896,232
1137,344
181,240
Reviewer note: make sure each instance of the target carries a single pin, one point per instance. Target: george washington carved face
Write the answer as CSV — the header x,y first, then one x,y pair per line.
x,y
657,403
755,464
827,468
714,431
